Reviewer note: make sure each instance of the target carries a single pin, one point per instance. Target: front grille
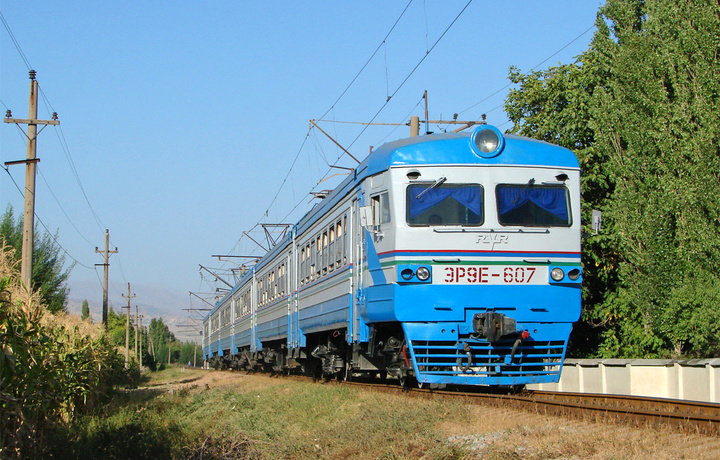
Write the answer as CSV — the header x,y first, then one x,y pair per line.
x,y
532,358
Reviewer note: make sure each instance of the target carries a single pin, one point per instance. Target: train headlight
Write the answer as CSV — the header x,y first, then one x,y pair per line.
x,y
574,274
487,141
557,274
407,274
422,273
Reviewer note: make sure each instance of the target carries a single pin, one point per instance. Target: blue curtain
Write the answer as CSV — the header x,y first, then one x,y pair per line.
x,y
470,197
551,199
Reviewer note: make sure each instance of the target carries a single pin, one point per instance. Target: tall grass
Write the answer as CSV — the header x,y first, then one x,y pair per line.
x,y
284,419
51,367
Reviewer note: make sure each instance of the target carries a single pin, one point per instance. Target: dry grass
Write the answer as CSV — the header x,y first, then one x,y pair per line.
x,y
500,433
266,417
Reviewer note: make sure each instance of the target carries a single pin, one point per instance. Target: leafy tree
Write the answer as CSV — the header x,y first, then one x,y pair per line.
x,y
554,105
49,276
116,327
657,122
85,312
639,108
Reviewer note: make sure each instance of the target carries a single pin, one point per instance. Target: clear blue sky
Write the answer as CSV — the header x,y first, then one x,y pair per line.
x,y
182,118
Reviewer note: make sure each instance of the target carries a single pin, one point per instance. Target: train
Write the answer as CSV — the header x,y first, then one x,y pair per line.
x,y
441,259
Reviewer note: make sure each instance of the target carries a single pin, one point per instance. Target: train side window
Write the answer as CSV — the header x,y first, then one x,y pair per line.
x,y
339,243
325,252
302,265
530,205
331,248
307,263
313,258
346,250
318,256
380,208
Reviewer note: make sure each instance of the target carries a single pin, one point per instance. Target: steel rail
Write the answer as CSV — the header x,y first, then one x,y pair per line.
x,y
685,416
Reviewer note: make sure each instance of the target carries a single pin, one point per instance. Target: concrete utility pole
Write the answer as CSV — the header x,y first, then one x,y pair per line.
x,y
106,253
140,356
30,166
138,323
127,329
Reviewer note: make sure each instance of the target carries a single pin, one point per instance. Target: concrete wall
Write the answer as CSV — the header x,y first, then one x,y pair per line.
x,y
697,380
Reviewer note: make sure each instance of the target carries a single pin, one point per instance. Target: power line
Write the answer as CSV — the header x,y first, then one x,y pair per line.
x,y
374,117
15,42
66,150
60,206
369,59
7,170
411,73
535,67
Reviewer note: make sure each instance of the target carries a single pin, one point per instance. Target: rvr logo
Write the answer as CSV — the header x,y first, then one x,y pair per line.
x,y
492,239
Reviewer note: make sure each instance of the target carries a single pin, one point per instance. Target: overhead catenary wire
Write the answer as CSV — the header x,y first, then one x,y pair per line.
x,y
534,67
389,98
332,106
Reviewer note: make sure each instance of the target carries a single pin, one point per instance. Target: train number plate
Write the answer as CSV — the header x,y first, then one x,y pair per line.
x,y
489,274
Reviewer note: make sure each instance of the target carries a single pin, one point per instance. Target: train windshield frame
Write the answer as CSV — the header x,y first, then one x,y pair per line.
x,y
530,205
430,205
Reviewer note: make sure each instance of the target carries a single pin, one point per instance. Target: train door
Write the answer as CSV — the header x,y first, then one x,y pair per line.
x,y
253,314
357,254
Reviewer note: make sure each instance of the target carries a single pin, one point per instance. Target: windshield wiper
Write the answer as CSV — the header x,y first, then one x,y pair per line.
x,y
432,186
530,183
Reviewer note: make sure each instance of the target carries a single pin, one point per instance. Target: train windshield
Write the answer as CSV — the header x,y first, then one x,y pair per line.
x,y
444,204
530,205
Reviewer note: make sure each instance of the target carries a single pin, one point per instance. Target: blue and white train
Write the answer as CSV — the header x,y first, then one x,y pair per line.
x,y
442,259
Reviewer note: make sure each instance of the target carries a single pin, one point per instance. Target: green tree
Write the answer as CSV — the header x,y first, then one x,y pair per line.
x,y
554,105
85,312
657,121
49,276
639,108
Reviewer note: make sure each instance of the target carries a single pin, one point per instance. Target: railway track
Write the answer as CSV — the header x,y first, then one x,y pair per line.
x,y
686,416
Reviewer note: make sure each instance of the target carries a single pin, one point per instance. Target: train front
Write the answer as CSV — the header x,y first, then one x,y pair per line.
x,y
477,257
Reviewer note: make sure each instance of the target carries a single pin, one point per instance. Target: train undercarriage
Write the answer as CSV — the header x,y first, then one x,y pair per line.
x,y
328,355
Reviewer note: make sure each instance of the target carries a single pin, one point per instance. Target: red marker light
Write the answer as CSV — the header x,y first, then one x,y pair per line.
x,y
525,334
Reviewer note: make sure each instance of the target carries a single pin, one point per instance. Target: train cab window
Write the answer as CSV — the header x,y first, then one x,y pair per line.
x,y
444,204
381,208
530,205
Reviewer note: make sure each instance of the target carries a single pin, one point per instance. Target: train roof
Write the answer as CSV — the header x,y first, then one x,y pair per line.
x,y
455,148
432,149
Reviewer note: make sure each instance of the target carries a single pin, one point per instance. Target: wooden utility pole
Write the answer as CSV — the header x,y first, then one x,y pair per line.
x,y
30,167
106,253
127,328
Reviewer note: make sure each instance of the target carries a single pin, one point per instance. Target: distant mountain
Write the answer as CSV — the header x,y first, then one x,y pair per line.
x,y
154,301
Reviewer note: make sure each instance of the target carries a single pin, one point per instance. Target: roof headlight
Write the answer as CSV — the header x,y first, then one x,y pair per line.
x,y
487,141
422,273
557,274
